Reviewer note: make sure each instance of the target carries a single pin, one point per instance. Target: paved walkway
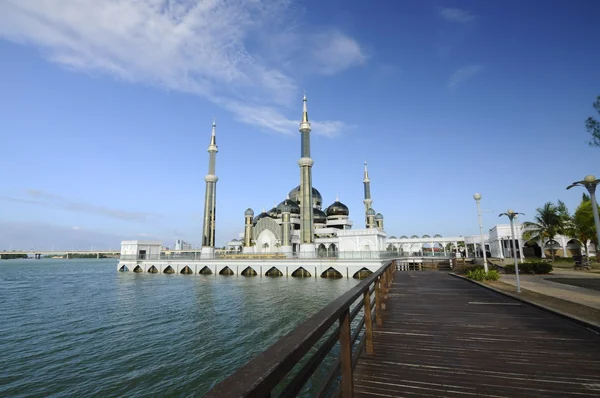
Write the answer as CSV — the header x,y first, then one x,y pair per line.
x,y
446,337
543,284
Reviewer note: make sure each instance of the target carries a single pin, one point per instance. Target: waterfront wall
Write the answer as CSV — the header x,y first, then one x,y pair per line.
x,y
315,267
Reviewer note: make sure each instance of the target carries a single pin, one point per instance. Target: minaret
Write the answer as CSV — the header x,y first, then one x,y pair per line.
x,y
306,202
248,216
286,246
210,198
367,201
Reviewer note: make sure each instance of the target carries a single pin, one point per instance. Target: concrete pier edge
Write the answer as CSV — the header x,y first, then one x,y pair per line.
x,y
591,326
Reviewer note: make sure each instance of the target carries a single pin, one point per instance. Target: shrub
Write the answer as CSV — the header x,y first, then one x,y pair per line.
x,y
464,269
480,275
535,267
492,275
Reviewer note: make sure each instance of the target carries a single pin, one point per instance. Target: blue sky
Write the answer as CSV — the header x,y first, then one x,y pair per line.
x,y
106,108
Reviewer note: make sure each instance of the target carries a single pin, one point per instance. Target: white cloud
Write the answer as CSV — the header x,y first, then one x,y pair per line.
x,y
463,74
457,15
337,53
195,46
45,199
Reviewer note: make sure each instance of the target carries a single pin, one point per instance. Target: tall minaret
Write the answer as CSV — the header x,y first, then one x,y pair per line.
x,y
210,198
306,203
367,201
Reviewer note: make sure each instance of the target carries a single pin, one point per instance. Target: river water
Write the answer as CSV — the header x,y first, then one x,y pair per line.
x,y
77,328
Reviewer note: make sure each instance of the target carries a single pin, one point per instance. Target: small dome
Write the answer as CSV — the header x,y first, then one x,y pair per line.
x,y
249,212
337,208
293,206
414,237
316,196
393,237
371,212
426,236
437,236
319,216
404,237
379,216
261,215
273,212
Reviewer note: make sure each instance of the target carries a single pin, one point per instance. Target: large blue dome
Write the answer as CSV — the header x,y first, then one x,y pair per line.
x,y
316,196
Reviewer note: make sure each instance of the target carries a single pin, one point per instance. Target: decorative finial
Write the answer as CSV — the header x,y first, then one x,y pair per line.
x,y
337,198
213,139
304,110
288,196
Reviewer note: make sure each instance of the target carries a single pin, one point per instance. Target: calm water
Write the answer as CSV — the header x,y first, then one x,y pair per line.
x,y
79,328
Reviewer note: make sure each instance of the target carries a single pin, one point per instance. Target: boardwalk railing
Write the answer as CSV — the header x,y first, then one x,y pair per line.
x,y
264,374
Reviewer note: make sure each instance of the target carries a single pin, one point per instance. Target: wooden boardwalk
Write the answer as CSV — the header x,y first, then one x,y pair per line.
x,y
446,337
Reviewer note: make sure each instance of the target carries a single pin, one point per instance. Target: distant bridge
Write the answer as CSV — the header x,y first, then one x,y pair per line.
x,y
68,253
116,252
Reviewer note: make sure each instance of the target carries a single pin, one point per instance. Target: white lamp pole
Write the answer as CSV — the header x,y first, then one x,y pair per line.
x,y
590,182
477,197
511,214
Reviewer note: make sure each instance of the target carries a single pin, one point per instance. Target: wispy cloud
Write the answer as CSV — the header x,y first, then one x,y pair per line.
x,y
204,47
457,15
462,74
338,52
45,199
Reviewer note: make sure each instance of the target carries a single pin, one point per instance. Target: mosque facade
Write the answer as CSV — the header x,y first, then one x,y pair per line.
x,y
300,226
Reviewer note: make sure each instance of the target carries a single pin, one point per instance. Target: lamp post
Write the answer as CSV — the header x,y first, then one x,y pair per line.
x,y
477,197
590,182
511,214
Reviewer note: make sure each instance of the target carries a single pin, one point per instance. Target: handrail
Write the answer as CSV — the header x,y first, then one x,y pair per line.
x,y
261,375
340,255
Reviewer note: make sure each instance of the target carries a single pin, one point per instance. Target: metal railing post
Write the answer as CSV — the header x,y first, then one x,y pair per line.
x,y
347,382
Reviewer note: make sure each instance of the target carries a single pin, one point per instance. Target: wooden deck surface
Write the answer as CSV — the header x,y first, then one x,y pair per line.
x,y
446,337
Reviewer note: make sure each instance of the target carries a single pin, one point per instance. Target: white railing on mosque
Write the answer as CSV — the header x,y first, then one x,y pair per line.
x,y
341,255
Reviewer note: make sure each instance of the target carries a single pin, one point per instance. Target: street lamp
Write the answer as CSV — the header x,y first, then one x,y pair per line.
x,y
477,197
590,182
511,214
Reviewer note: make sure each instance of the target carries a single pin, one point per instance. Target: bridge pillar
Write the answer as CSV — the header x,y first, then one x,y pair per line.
x,y
97,255
68,256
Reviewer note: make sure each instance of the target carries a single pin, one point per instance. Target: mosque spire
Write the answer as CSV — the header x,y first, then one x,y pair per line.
x,y
367,201
306,200
210,198
213,137
304,110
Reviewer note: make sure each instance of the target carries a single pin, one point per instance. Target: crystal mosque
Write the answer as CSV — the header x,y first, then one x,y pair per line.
x,y
299,226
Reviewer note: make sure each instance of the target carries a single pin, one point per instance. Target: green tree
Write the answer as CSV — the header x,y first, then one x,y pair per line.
x,y
548,222
583,221
593,126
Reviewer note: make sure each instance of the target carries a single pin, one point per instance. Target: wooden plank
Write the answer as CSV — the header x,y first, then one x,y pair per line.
x,y
444,337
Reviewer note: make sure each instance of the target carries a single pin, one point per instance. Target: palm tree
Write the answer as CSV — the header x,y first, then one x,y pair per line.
x,y
548,222
584,228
